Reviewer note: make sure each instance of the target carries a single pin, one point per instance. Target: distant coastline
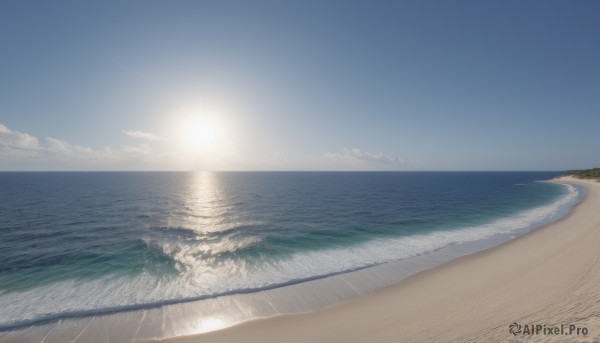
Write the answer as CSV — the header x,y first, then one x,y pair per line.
x,y
593,173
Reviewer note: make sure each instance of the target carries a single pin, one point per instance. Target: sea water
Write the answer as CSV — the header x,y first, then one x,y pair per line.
x,y
82,245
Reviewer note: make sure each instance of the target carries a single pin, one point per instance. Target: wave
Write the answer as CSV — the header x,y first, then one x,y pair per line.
x,y
73,299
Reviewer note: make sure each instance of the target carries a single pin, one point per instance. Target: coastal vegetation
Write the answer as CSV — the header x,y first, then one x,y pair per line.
x,y
593,173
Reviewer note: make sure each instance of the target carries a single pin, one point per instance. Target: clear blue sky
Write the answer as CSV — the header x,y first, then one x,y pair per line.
x,y
299,85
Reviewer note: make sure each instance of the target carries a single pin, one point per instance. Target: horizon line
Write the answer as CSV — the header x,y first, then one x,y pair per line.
x,y
280,171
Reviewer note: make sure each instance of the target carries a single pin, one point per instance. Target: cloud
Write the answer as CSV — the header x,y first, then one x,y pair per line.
x,y
143,135
358,157
142,149
15,140
62,150
16,145
23,149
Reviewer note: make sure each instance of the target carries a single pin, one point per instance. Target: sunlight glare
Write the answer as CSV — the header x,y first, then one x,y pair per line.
x,y
202,133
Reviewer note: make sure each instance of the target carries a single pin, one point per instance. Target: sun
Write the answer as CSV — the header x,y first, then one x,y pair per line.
x,y
202,133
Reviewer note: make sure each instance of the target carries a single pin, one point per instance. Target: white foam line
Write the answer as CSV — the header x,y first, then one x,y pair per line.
x,y
164,319
140,324
82,331
50,331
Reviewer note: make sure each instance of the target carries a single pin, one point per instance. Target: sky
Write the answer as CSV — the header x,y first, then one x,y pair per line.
x,y
299,85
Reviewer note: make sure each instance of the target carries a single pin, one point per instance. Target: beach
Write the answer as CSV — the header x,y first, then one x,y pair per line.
x,y
256,171
548,278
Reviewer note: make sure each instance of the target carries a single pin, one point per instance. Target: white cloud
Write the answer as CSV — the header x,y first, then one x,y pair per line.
x,y
357,157
143,135
4,129
142,149
23,149
15,140
63,150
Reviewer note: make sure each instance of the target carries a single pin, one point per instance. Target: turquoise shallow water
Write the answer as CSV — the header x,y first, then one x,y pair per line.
x,y
76,244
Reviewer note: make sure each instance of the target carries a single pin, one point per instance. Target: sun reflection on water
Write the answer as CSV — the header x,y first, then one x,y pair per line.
x,y
209,232
211,324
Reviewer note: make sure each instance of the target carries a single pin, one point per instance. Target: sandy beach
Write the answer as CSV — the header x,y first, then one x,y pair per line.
x,y
549,277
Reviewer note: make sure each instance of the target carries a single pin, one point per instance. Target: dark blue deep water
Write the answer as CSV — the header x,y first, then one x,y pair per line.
x,y
85,242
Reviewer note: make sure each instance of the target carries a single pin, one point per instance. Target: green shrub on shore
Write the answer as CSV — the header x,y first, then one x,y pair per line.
x,y
593,173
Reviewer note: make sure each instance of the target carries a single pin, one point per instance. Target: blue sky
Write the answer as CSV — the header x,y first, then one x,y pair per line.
x,y
299,85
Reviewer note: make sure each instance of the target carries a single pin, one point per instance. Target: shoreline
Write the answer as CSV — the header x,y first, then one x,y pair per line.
x,y
482,293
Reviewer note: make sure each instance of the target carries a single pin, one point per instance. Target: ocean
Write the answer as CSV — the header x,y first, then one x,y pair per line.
x,y
77,245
